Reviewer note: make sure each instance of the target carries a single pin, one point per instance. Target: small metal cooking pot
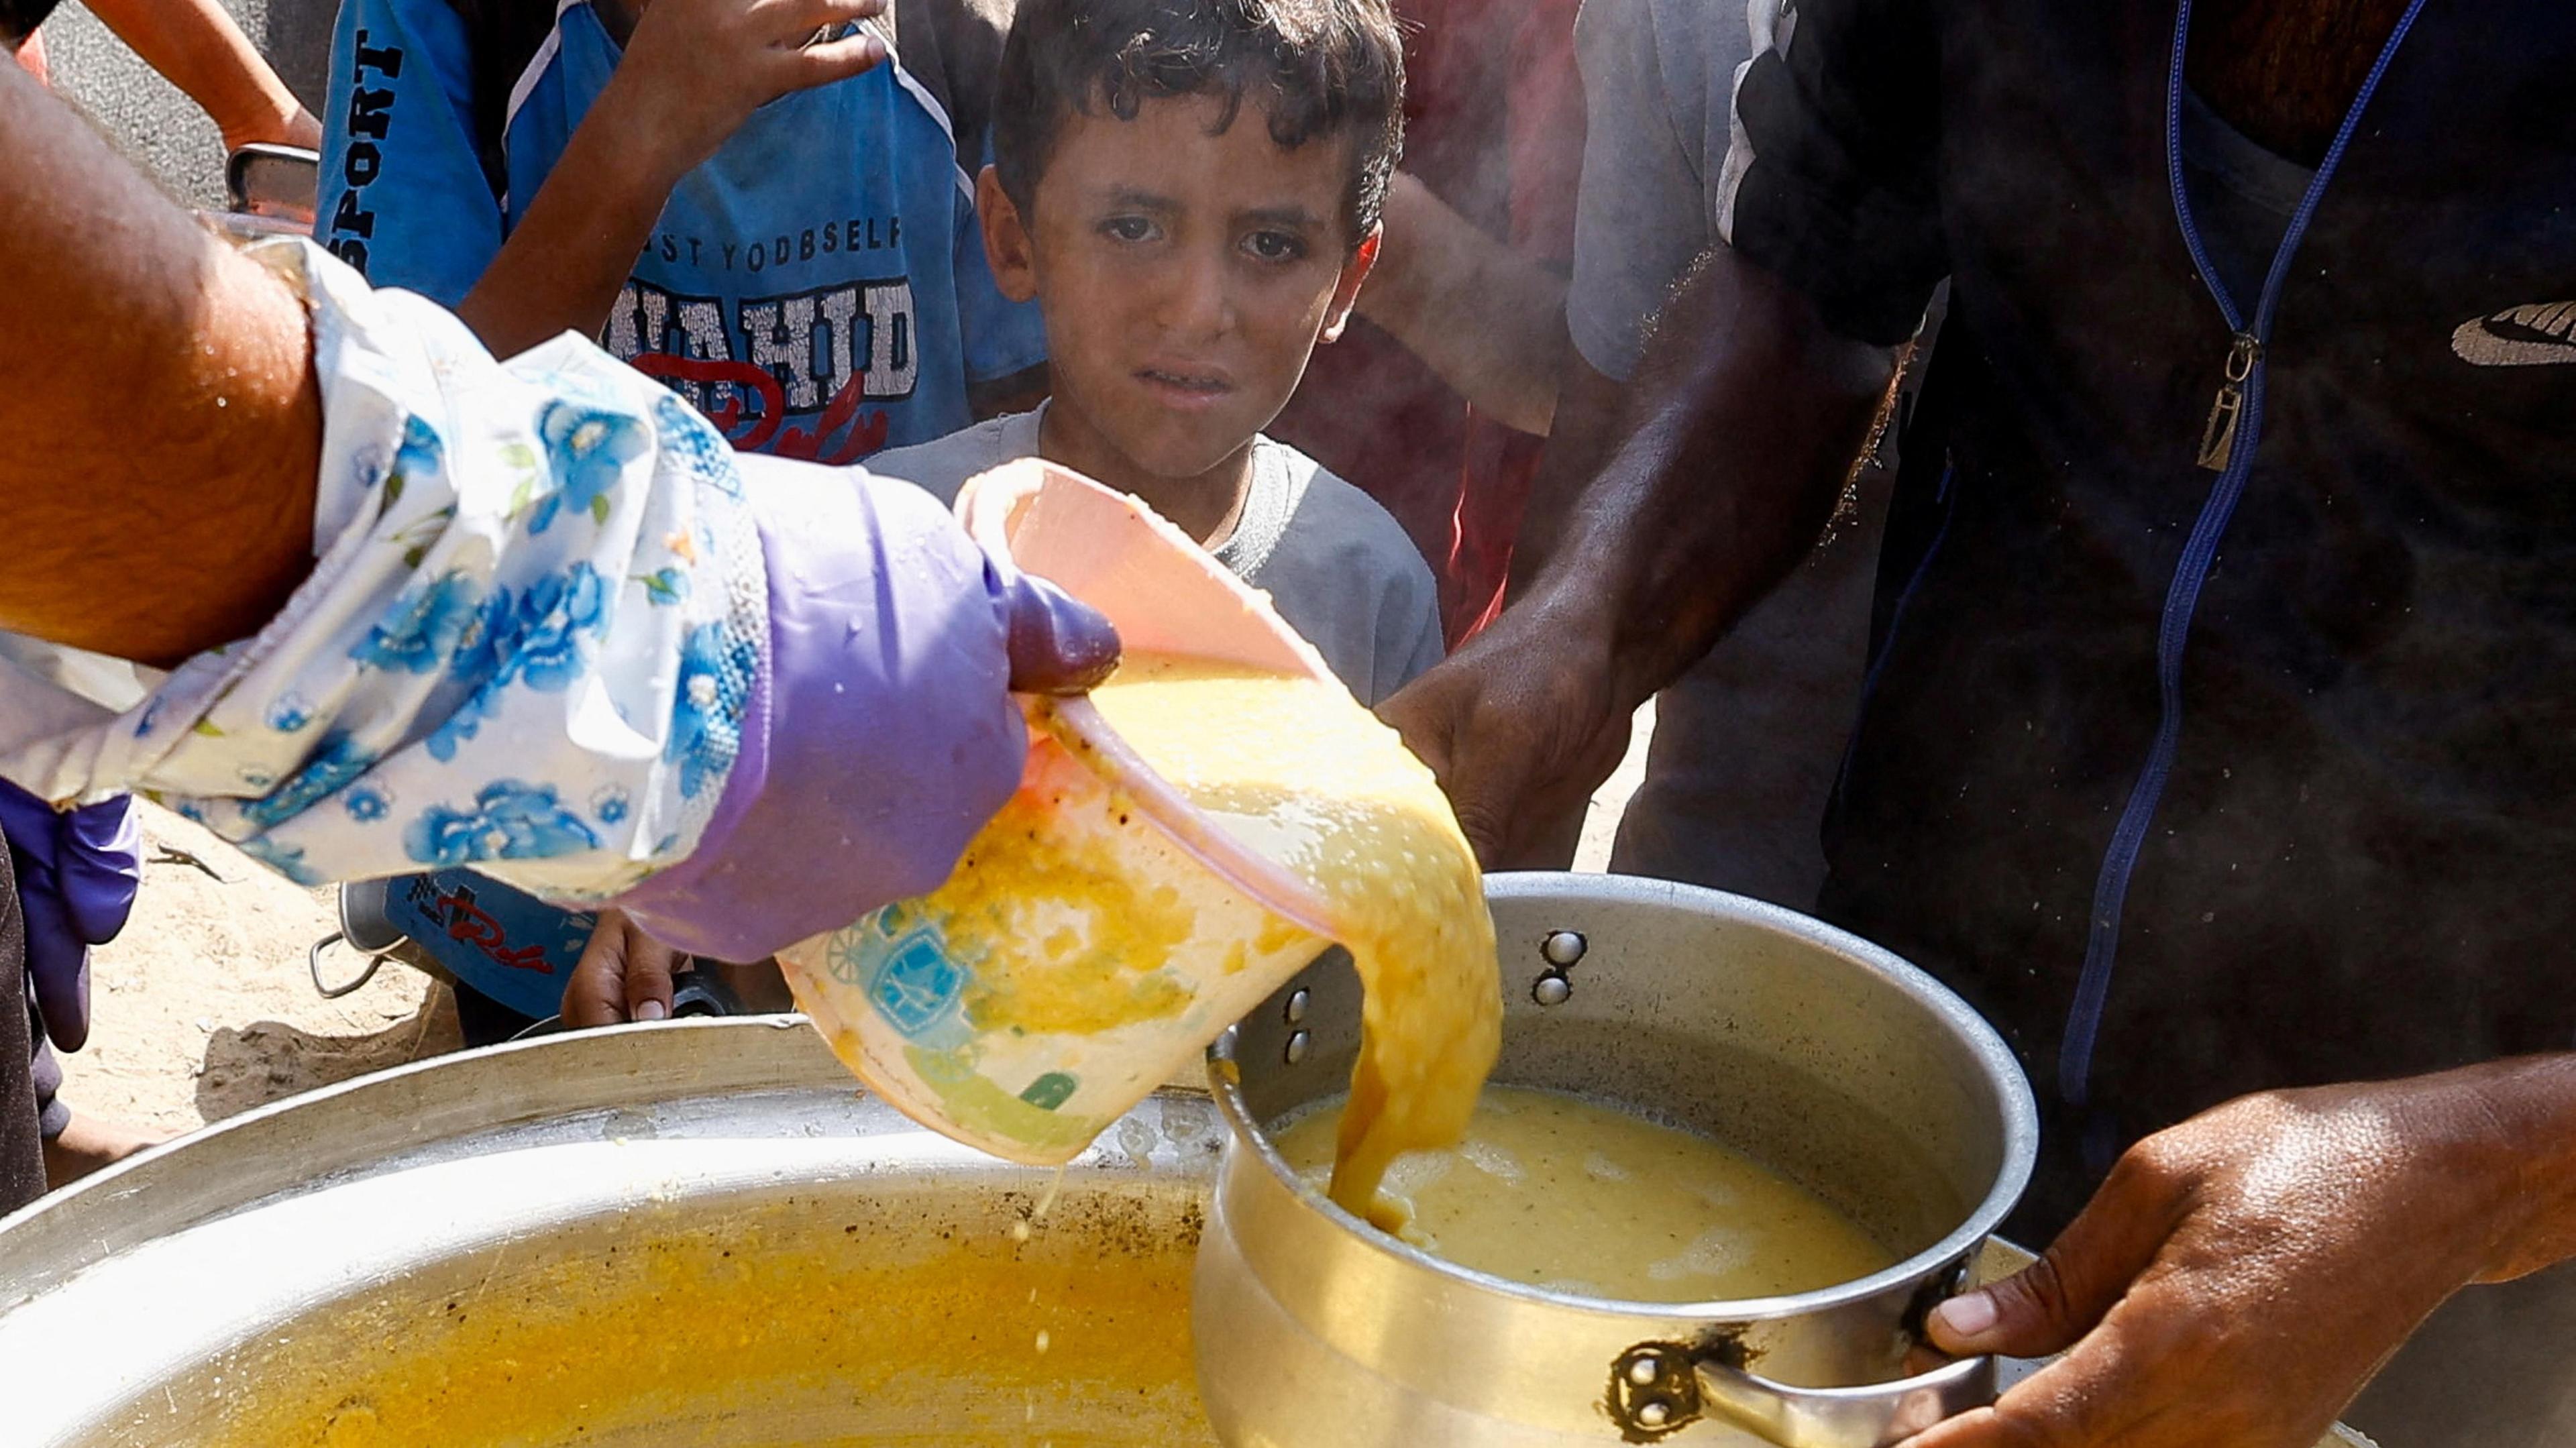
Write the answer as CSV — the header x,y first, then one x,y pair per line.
x,y
1811,1050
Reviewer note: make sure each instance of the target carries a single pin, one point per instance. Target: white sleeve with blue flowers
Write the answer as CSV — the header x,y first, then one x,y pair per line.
x,y
537,615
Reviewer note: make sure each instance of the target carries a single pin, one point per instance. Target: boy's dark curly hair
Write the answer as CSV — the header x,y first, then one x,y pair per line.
x,y
1325,69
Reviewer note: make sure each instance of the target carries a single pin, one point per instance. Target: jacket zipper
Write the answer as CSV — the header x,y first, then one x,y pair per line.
x,y
2218,438
2227,445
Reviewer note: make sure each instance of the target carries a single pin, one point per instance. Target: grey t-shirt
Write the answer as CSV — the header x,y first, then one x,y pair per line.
x,y
1338,568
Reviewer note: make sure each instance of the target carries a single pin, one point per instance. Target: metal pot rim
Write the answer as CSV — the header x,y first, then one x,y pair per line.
x,y
2001,1068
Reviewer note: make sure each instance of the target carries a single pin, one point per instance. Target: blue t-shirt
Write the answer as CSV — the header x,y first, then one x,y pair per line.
x,y
818,287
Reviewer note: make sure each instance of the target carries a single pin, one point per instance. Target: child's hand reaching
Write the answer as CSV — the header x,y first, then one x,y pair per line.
x,y
695,70
624,975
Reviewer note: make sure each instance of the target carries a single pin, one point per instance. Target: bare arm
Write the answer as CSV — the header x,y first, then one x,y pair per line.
x,y
693,73
1746,415
163,399
2533,1103
1588,411
170,509
198,47
1438,268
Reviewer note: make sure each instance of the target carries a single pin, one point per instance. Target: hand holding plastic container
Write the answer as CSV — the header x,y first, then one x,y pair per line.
x,y
1058,978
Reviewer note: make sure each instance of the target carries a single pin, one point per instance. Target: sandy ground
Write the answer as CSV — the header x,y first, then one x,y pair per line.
x,y
204,1007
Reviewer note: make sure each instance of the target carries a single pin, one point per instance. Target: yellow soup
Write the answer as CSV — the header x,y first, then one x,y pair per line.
x,y
1296,768
1565,1194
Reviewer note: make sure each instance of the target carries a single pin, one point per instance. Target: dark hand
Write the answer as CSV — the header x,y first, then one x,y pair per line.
x,y
624,975
1521,726
2239,1277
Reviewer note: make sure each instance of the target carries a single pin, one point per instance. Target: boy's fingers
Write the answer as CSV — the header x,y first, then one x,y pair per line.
x,y
827,61
813,24
596,993
648,975
790,15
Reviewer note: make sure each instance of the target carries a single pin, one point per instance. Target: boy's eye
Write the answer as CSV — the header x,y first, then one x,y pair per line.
x,y
1275,245
1127,228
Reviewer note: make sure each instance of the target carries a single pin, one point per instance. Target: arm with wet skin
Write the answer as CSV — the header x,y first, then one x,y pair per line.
x,y
1745,418
533,618
1753,398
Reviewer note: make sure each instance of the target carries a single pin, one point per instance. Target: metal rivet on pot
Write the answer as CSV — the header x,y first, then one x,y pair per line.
x,y
1552,990
1645,1370
1297,1002
1298,1041
1562,948
1653,1414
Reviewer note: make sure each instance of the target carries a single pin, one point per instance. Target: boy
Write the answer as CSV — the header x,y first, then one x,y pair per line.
x,y
1190,190
766,207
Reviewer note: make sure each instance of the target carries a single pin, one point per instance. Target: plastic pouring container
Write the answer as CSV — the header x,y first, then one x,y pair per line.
x,y
917,998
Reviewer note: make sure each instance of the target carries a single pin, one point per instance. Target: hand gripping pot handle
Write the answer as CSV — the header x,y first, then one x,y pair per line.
x,y
1659,1388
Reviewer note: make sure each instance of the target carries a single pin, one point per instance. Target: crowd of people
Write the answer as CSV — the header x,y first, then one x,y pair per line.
x,y
2084,485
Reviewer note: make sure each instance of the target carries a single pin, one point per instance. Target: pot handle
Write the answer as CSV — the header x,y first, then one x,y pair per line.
x,y
1874,1416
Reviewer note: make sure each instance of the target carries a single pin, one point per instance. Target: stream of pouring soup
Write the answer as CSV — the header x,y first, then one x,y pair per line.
x,y
1297,769
1578,1197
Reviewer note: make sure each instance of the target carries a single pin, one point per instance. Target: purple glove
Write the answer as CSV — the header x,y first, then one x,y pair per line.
x,y
883,734
77,874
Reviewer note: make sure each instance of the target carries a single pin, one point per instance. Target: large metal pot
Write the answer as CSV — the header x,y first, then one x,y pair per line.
x,y
693,1233
1811,1050
696,1233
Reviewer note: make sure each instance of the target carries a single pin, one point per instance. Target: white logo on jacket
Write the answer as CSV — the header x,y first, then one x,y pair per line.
x,y
2538,335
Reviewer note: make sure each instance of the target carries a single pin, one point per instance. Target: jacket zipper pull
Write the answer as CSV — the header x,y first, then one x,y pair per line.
x,y
2218,439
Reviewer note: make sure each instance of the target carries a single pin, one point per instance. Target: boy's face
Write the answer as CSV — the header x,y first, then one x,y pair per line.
x,y
1185,277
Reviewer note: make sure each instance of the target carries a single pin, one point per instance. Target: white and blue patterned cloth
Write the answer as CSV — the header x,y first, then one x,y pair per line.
x,y
538,609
